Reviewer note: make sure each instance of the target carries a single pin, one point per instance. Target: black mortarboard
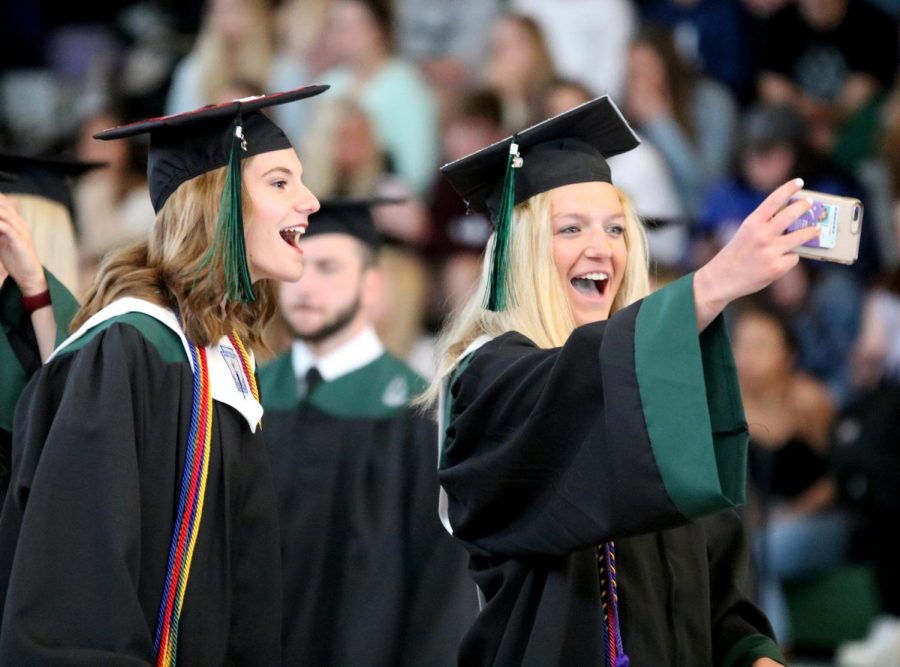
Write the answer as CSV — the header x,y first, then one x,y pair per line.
x,y
185,145
42,176
349,216
569,148
188,144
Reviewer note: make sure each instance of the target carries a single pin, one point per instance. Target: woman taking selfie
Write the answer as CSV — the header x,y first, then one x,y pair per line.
x,y
593,441
137,458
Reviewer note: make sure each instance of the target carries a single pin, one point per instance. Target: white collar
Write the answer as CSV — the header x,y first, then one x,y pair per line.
x,y
225,374
357,352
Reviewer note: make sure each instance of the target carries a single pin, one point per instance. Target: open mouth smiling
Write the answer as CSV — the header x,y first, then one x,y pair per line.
x,y
591,284
291,235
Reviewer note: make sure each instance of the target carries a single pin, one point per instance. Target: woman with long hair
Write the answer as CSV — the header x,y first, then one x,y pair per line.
x,y
38,273
690,118
235,42
140,525
593,444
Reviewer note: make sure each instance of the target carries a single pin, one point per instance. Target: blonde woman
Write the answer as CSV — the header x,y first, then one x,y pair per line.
x,y
37,275
593,442
235,43
140,524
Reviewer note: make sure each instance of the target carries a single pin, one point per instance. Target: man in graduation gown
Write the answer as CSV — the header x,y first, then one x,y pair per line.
x,y
370,576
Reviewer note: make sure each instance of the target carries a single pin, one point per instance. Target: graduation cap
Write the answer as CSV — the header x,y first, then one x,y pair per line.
x,y
569,148
42,176
349,216
185,145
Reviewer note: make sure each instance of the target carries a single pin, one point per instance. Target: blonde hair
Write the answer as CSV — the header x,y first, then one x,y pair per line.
x,y
168,269
53,236
540,309
220,65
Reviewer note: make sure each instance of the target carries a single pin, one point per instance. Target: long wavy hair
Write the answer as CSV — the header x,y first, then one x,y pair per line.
x,y
168,269
540,308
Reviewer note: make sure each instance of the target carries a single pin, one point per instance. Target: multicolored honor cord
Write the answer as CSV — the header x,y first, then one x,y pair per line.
x,y
609,598
190,502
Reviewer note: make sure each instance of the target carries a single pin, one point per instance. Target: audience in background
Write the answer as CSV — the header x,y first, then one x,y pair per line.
x,y
588,39
448,40
396,97
112,205
234,43
831,60
799,530
518,68
688,117
730,97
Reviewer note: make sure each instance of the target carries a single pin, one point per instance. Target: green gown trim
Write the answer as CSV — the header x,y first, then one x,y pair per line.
x,y
13,317
378,390
692,406
750,649
166,341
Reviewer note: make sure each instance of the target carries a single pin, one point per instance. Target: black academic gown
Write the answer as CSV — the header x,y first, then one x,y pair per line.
x,y
98,454
631,431
371,579
20,356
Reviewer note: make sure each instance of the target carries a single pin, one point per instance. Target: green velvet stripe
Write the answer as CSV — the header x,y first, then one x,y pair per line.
x,y
752,648
692,408
64,306
167,343
13,317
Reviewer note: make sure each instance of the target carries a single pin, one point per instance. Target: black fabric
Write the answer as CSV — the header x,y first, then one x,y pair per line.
x,y
371,579
546,457
180,153
98,453
786,471
569,148
42,176
348,216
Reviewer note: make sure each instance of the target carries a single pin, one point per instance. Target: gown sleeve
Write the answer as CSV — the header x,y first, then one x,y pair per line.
x,y
70,531
634,425
741,633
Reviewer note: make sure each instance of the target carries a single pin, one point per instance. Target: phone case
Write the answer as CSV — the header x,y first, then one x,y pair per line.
x,y
840,222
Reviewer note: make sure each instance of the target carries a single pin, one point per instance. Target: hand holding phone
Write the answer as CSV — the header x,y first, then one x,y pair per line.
x,y
840,222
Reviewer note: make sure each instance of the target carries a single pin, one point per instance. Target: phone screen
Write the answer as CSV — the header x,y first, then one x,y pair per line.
x,y
825,217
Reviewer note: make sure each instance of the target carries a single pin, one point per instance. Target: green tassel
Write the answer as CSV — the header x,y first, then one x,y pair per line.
x,y
228,245
498,289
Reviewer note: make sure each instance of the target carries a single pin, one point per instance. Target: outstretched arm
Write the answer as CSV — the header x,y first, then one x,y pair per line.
x,y
759,253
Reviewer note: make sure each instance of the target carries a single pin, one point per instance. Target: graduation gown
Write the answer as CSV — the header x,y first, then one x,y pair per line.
x,y
370,576
631,431
20,356
98,454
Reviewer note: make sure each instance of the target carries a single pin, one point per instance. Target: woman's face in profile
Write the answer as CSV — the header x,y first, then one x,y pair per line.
x,y
589,251
281,206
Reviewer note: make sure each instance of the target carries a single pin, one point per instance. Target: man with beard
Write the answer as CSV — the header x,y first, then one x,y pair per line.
x,y
370,577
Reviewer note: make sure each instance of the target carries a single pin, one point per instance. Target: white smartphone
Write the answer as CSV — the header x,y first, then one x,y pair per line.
x,y
839,220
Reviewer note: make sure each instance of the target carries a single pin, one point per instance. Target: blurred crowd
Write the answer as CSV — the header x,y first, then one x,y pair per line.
x,y
730,98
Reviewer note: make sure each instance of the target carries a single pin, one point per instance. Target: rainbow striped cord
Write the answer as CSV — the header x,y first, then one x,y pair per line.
x,y
190,503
